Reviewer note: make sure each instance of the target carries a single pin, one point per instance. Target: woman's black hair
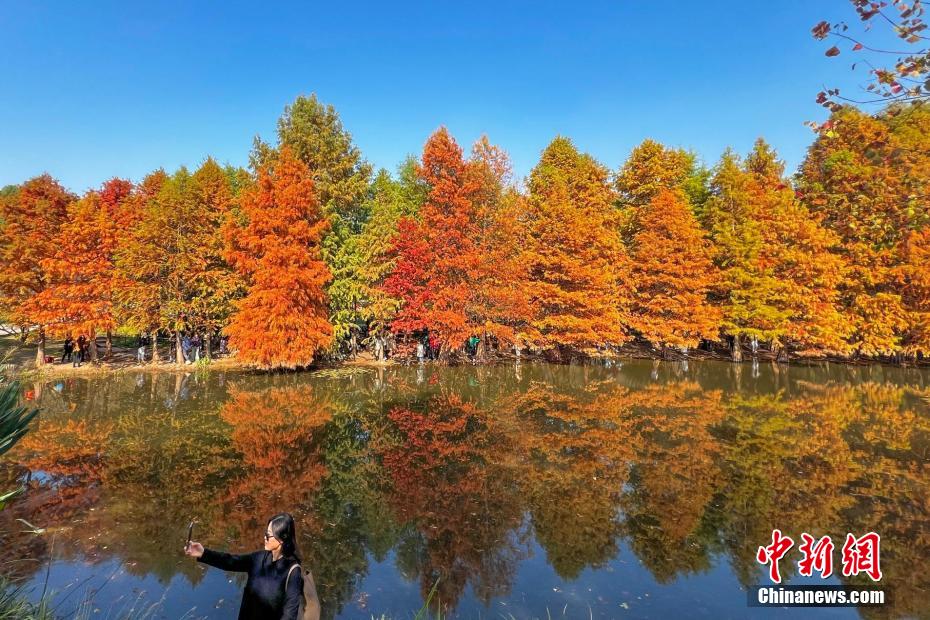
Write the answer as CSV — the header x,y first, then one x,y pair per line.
x,y
282,526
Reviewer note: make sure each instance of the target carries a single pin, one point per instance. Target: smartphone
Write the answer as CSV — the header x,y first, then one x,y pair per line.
x,y
190,533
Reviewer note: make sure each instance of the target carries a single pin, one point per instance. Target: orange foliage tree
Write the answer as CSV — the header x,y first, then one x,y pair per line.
x,y
79,299
867,178
913,275
498,302
780,268
282,322
674,272
578,272
30,220
216,284
135,277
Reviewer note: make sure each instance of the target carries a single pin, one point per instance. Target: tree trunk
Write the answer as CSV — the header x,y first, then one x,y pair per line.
x,y
207,344
108,352
155,359
481,354
736,352
178,350
92,348
782,356
40,348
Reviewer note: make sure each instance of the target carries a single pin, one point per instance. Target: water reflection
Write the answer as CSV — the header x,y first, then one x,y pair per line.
x,y
460,474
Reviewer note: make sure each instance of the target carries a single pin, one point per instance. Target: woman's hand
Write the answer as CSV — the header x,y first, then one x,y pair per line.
x,y
194,549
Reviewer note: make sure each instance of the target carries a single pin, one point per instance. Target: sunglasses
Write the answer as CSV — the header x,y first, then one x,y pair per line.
x,y
269,536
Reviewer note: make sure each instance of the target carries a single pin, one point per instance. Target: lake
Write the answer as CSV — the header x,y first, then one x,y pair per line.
x,y
636,490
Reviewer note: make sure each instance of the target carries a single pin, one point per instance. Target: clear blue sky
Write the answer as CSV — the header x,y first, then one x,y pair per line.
x,y
93,90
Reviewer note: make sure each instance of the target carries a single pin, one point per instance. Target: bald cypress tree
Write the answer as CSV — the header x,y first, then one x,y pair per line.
x,y
315,135
31,219
578,271
674,273
282,322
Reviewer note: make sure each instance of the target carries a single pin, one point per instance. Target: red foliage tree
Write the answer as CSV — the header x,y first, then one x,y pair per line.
x,y
408,278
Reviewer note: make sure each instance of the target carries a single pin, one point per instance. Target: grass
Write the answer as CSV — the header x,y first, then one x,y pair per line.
x,y
15,606
424,612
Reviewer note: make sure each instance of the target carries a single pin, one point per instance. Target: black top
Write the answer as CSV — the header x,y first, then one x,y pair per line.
x,y
266,595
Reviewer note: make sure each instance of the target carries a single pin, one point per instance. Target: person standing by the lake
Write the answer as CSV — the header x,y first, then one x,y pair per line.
x,y
186,348
68,349
82,347
195,347
275,584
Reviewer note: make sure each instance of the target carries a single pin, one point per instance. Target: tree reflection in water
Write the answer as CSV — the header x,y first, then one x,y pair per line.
x,y
460,473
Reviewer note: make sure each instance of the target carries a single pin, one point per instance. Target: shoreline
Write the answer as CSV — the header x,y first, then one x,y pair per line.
x,y
365,360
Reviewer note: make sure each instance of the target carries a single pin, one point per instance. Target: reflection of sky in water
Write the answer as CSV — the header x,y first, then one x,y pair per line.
x,y
647,485
622,588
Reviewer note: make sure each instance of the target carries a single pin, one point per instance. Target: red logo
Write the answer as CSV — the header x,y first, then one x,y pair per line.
x,y
773,553
859,555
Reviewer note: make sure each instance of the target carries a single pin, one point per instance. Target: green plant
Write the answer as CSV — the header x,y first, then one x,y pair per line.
x,y
14,418
15,606
423,613
14,423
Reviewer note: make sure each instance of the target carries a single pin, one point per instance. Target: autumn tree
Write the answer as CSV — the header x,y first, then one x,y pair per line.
x,y
780,273
316,136
898,74
803,255
498,302
913,276
389,201
866,178
652,167
217,285
136,277
405,287
282,322
672,265
171,274
32,217
748,292
79,299
578,282
448,229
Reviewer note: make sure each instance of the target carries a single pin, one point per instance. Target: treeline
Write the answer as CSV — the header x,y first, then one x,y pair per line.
x,y
311,253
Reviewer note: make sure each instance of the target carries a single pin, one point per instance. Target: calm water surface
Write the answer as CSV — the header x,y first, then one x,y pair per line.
x,y
638,491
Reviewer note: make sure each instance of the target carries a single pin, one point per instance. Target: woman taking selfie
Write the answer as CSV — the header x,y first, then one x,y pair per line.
x,y
274,588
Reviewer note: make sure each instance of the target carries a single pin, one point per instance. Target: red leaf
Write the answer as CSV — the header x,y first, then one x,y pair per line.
x,y
820,30
857,47
833,51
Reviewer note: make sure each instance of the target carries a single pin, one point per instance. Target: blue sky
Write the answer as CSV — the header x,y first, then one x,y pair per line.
x,y
95,90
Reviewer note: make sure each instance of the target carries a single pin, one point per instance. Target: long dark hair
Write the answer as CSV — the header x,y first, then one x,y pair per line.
x,y
282,526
